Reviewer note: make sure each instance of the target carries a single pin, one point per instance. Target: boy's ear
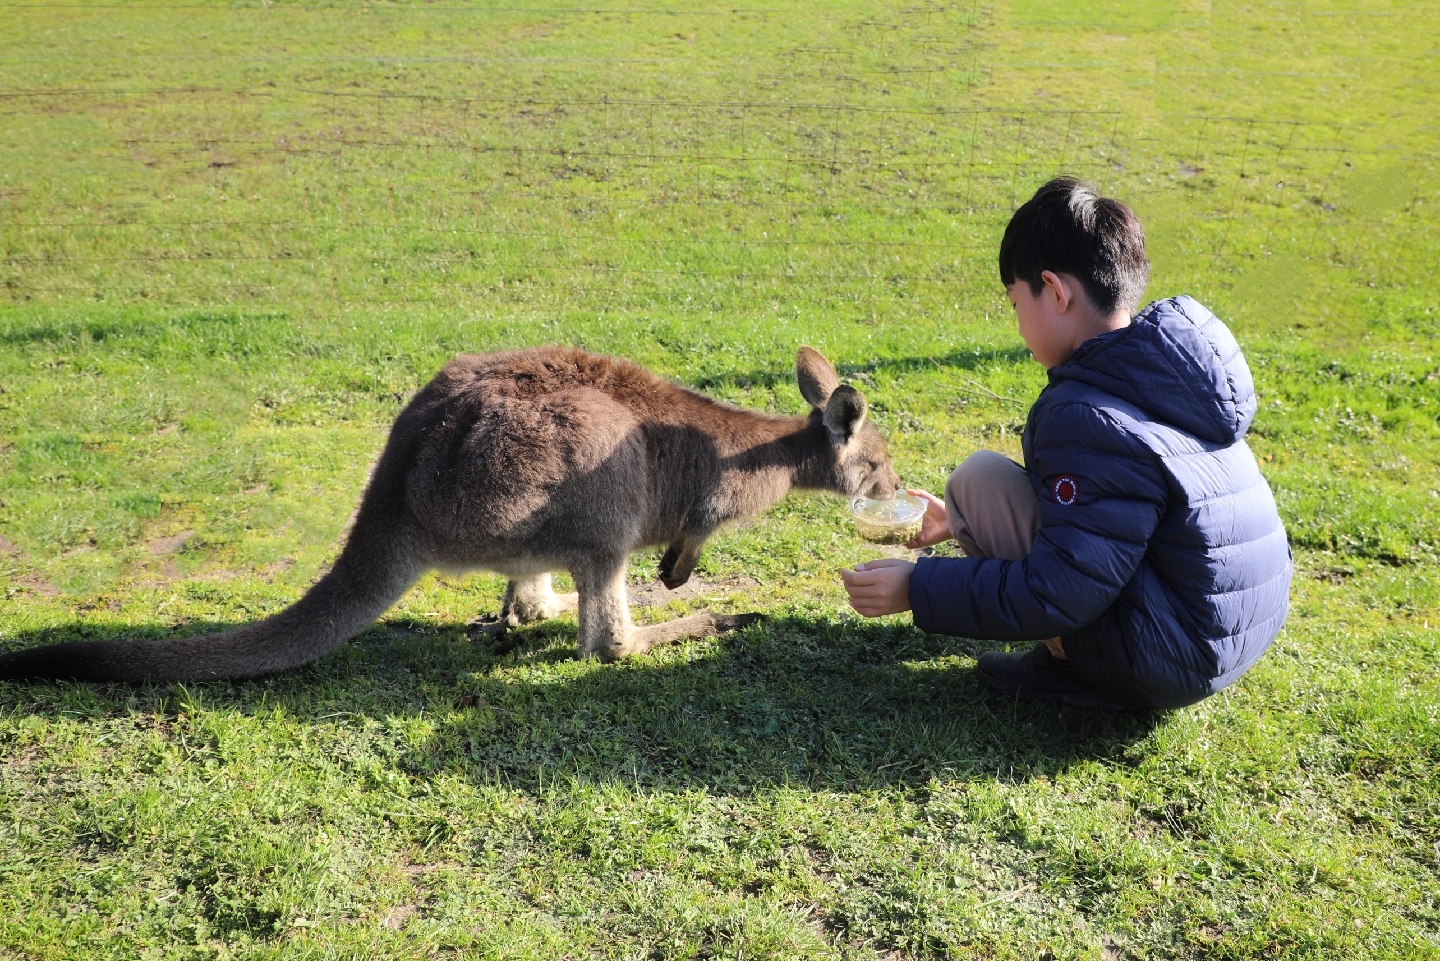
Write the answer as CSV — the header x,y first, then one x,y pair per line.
x,y
817,377
1060,288
844,413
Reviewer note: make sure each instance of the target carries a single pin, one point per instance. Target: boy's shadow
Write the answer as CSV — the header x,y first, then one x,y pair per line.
x,y
834,705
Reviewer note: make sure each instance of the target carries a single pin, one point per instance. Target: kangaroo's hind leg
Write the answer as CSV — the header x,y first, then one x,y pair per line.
x,y
606,631
530,599
605,628
527,600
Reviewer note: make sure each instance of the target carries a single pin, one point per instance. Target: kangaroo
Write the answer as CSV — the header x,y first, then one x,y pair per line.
x,y
527,462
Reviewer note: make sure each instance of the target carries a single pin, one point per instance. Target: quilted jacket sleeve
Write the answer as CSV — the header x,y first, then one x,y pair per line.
x,y
1086,550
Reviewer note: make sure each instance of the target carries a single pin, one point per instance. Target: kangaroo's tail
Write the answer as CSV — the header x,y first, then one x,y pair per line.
x,y
373,570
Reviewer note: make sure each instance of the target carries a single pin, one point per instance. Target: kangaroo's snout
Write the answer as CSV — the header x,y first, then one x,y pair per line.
x,y
884,484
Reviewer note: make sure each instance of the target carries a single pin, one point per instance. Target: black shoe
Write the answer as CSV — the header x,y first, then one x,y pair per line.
x,y
1037,675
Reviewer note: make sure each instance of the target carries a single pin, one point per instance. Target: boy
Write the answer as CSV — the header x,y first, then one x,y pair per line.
x,y
1139,543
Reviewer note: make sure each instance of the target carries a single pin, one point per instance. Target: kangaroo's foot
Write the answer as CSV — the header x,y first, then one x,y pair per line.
x,y
532,599
486,626
605,628
526,601
704,624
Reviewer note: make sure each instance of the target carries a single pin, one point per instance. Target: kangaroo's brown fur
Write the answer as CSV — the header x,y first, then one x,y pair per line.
x,y
524,463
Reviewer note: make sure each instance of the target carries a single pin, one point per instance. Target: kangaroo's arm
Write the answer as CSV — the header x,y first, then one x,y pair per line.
x,y
749,482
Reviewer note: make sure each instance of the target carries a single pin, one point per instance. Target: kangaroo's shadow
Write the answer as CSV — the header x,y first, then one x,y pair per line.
x,y
837,705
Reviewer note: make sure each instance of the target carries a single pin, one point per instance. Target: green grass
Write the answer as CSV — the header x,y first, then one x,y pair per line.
x,y
233,239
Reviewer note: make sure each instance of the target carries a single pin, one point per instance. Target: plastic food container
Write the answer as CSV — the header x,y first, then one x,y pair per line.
x,y
893,521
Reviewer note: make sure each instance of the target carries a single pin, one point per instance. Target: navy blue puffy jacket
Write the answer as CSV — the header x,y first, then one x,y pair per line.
x,y
1160,561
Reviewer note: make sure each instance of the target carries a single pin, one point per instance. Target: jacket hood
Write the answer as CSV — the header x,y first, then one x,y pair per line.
x,y
1178,363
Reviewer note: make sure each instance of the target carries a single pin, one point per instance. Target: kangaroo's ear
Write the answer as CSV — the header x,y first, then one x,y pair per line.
x,y
844,413
817,377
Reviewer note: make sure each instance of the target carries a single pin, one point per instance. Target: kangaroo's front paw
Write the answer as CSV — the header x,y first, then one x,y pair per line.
x,y
673,580
667,568
676,568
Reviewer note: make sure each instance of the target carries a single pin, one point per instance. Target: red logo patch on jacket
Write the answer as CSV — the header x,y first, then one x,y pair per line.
x,y
1065,490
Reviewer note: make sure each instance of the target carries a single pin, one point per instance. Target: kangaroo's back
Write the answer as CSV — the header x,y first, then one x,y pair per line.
x,y
502,446
508,440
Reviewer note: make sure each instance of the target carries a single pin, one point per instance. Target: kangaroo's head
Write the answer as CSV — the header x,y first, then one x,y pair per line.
x,y
861,463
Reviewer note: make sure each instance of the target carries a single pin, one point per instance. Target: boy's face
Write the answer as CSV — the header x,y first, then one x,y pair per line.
x,y
1043,321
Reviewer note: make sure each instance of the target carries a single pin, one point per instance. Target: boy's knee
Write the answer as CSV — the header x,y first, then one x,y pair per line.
x,y
981,477
982,469
993,510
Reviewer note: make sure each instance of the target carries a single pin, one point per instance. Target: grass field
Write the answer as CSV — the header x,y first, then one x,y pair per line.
x,y
235,238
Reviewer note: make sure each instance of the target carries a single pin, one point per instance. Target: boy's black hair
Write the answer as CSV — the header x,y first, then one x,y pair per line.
x,y
1067,227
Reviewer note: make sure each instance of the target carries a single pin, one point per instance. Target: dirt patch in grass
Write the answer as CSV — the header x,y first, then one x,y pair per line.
x,y
397,917
170,544
657,594
36,584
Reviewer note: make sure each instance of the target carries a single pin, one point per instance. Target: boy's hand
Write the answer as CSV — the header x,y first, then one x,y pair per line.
x,y
935,526
877,588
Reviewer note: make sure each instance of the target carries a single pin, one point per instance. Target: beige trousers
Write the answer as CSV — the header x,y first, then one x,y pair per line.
x,y
992,508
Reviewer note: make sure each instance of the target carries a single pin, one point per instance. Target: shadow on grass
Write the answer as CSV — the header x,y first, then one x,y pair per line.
x,y
955,360
838,705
